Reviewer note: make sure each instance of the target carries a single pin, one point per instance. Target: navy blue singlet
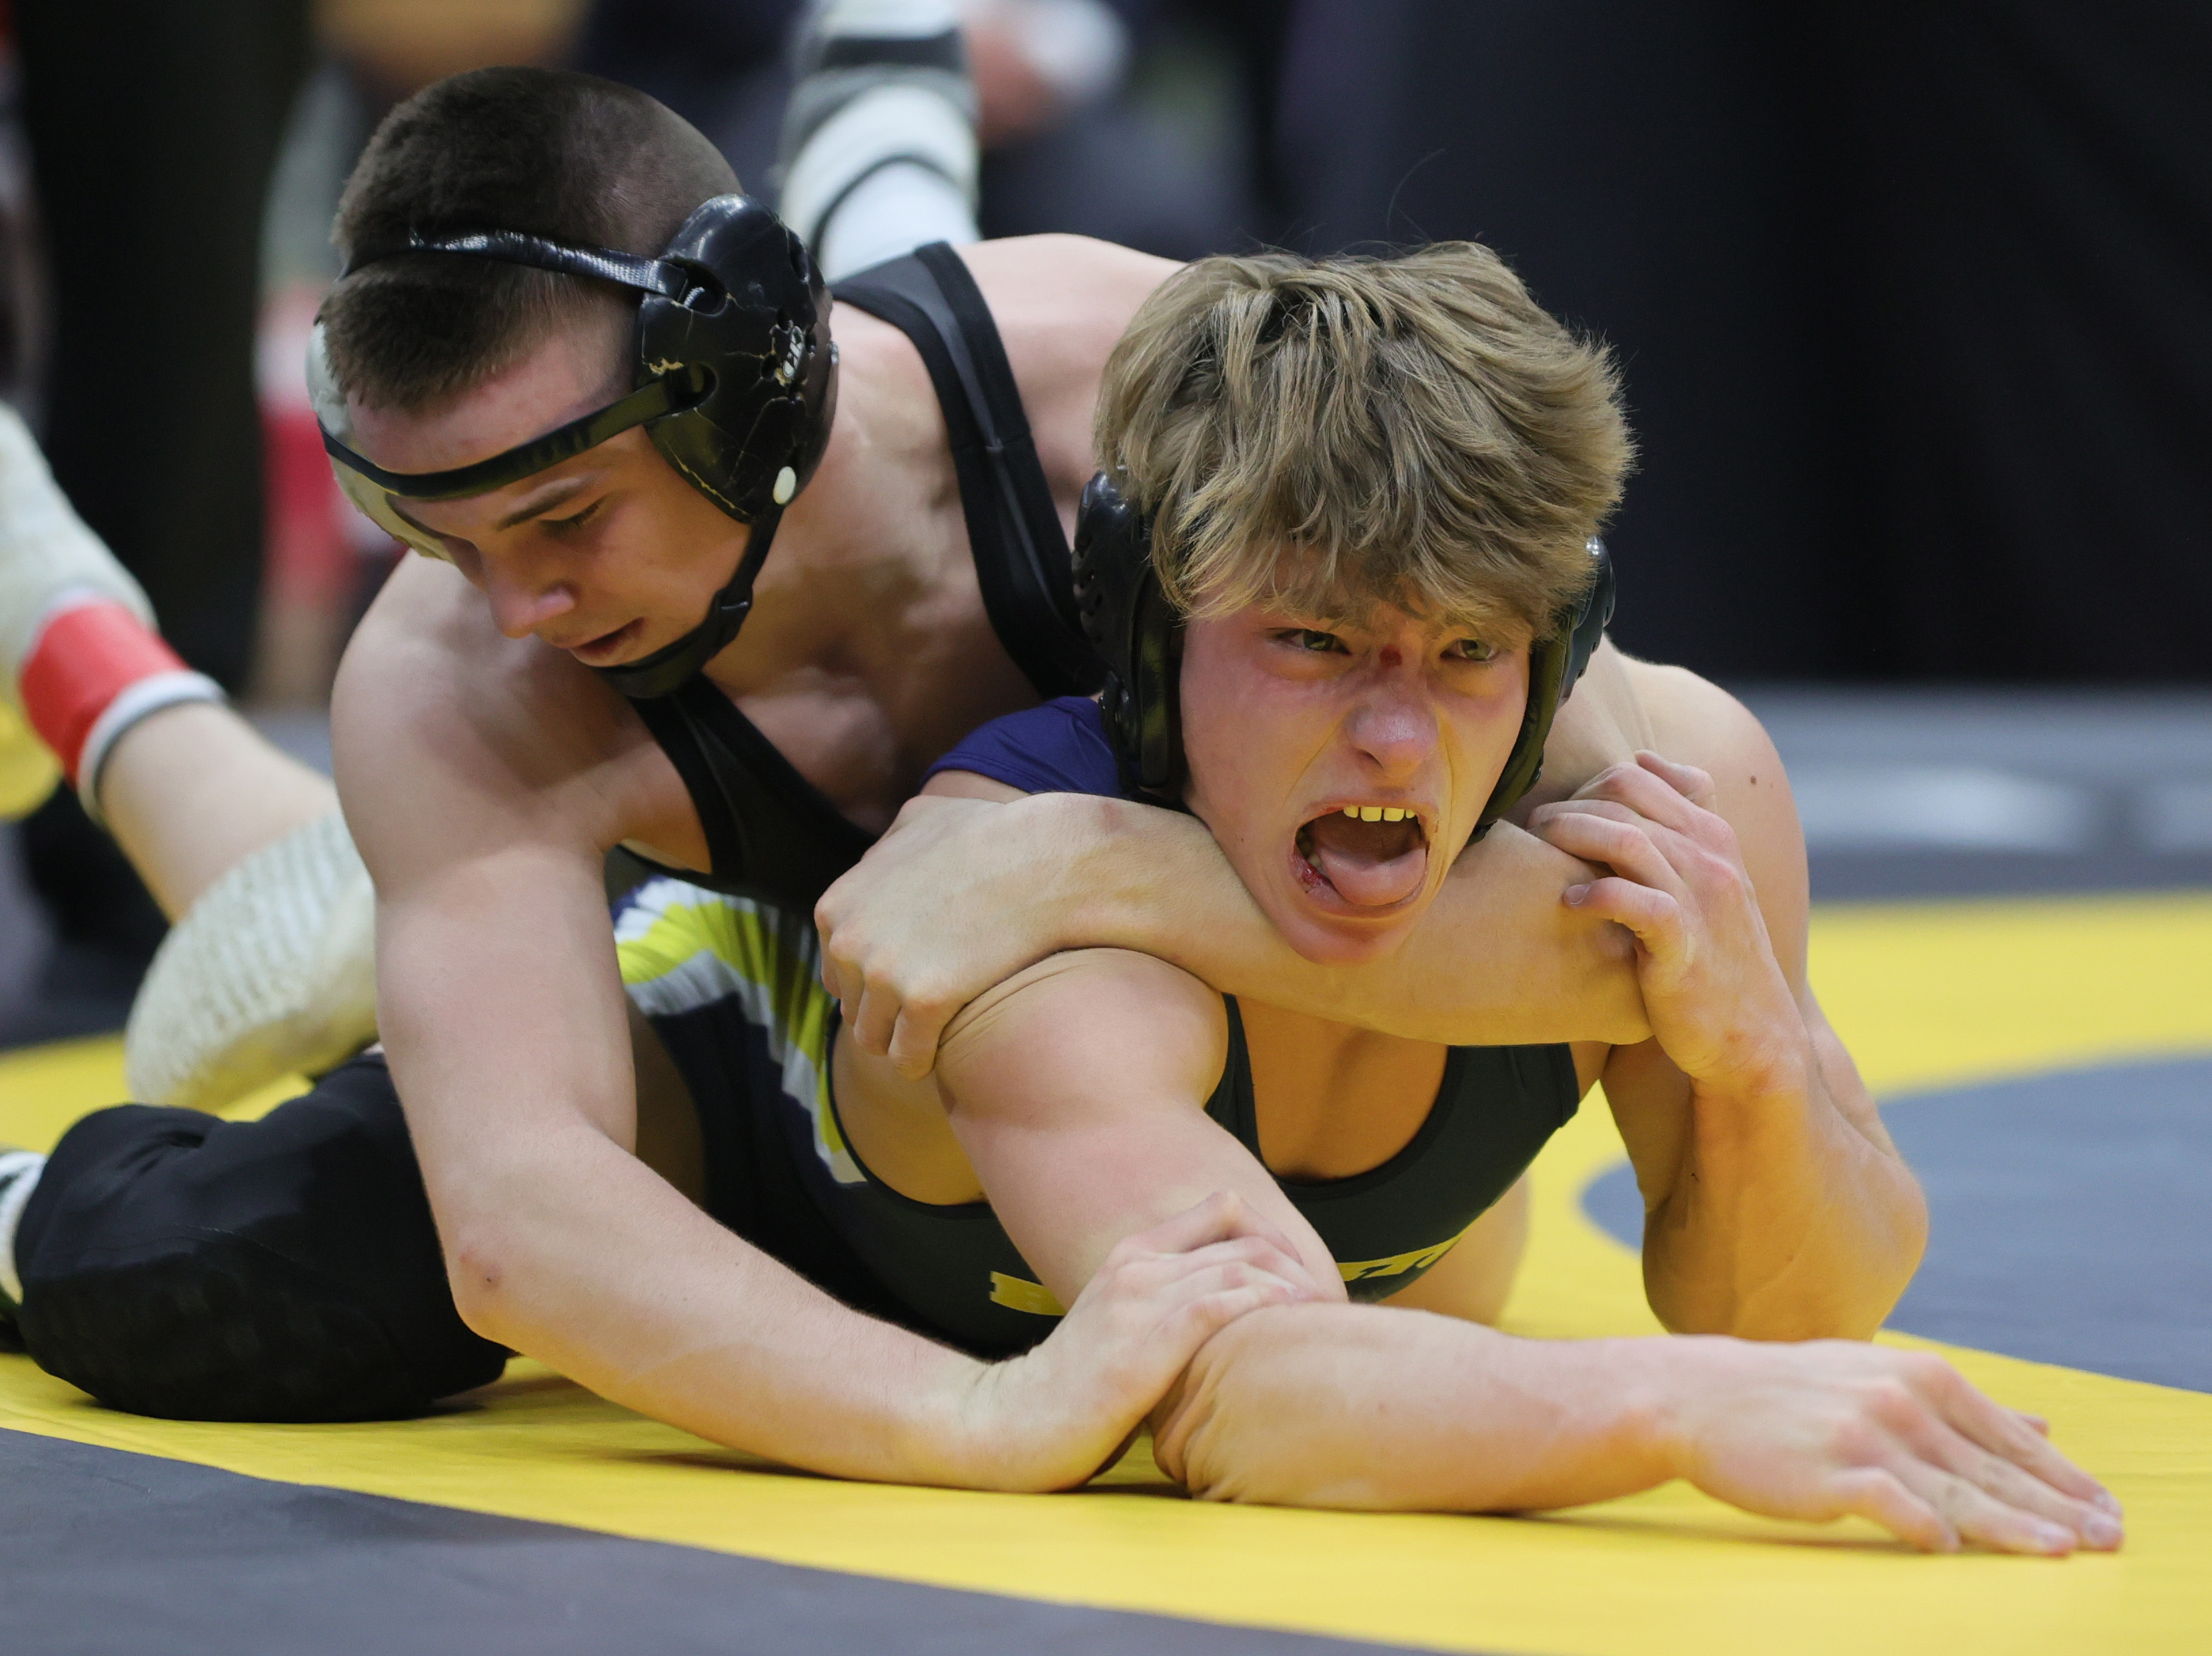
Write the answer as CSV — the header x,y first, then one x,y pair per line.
x,y
954,1270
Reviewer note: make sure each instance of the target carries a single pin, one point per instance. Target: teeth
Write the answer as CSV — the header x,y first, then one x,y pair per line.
x,y
1376,813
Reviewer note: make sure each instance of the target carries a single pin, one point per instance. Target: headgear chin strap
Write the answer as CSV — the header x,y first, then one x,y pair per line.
x,y
1129,620
735,384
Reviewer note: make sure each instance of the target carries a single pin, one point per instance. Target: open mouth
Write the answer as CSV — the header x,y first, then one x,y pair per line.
x,y
1370,856
598,651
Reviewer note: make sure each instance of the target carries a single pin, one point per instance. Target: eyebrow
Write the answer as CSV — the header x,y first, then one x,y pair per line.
x,y
552,495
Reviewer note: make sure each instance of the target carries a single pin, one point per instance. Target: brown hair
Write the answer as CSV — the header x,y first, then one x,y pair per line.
x,y
552,154
1415,426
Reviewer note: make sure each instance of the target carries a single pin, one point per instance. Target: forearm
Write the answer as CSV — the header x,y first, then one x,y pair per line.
x,y
503,1019
1784,1221
668,1313
1373,1408
1157,883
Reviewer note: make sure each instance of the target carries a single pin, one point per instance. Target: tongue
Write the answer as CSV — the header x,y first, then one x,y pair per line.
x,y
1371,864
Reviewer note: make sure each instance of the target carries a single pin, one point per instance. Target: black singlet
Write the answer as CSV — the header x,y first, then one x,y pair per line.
x,y
954,1270
770,833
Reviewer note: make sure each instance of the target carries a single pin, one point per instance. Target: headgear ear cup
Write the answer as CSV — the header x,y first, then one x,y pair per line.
x,y
1133,627
1555,666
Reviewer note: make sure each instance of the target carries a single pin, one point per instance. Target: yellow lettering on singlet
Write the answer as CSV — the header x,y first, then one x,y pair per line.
x,y
1420,1258
1020,1294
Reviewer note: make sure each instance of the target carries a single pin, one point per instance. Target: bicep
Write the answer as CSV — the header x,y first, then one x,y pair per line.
x,y
1077,1089
501,1010
498,995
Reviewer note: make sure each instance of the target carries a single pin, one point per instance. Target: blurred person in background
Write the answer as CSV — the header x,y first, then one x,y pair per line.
x,y
152,126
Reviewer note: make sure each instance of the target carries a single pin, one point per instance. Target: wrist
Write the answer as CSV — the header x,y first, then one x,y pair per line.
x,y
1109,859
952,1436
1667,1376
1757,1078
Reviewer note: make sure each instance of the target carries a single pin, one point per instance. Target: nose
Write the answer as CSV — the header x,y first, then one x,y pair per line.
x,y
523,600
1393,725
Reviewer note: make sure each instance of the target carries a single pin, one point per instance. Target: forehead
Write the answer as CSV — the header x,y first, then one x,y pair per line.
x,y
571,371
1338,611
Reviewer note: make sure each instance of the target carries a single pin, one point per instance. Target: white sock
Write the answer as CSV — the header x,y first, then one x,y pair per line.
x,y
15,1197
899,207
879,150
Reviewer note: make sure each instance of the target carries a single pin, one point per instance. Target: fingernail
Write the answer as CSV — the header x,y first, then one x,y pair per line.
x,y
2109,1501
1575,893
2051,1538
2102,1531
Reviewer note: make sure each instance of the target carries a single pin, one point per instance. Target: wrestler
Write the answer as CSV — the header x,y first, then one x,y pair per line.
x,y
316,1287
291,1268
1370,487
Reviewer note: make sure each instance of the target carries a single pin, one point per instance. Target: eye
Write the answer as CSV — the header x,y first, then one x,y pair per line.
x,y
1306,638
1471,649
576,520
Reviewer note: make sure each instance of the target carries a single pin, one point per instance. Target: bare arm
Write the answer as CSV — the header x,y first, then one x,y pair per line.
x,y
1079,1089
1070,870
1777,1206
1077,1092
477,776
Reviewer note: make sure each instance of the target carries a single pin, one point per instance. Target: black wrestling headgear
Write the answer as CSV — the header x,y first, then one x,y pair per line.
x,y
735,382
1131,623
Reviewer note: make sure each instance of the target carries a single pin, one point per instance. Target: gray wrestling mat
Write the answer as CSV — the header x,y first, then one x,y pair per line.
x,y
104,1553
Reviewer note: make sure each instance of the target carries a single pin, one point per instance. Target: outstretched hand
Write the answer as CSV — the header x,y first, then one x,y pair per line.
x,y
1062,1412
1833,1428
1718,1002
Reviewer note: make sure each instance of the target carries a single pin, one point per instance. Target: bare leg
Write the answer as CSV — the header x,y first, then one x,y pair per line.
x,y
878,149
190,791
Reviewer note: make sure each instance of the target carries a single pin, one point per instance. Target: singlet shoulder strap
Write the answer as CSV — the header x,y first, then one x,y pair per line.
x,y
783,839
1232,1105
1020,548
674,725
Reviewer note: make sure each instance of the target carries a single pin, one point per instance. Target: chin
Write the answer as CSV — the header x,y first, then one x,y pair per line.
x,y
1339,938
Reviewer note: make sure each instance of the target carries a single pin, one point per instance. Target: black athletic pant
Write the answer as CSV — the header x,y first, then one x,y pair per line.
x,y
281,1269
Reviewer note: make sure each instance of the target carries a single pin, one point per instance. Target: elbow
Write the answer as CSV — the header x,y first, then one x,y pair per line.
x,y
1204,1431
1259,1416
480,1259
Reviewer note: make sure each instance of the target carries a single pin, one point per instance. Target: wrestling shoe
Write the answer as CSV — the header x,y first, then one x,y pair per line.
x,y
272,973
48,560
19,1177
879,150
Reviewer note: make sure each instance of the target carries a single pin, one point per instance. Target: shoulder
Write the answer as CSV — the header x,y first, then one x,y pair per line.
x,y
442,728
1042,285
1693,721
1060,303
1623,705
1058,747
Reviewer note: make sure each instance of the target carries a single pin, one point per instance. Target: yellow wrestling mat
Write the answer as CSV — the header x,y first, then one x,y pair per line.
x,y
1926,997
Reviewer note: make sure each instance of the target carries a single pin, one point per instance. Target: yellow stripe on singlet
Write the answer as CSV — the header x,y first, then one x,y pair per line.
x,y
682,946
1020,1294
1397,1265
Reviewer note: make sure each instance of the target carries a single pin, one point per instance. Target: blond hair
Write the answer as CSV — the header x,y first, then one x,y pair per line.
x,y
1412,429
